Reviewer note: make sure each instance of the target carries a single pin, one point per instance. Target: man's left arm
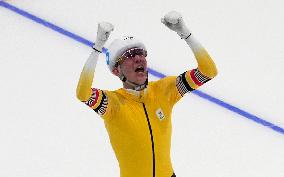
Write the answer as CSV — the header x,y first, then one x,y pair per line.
x,y
206,69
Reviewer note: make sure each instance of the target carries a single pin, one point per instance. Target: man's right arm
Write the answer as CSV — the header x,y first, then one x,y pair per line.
x,y
84,91
84,86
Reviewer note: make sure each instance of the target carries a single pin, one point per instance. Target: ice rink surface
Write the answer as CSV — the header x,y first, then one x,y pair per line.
x,y
46,132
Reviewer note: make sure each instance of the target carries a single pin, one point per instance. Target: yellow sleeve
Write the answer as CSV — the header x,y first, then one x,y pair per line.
x,y
191,80
174,88
103,103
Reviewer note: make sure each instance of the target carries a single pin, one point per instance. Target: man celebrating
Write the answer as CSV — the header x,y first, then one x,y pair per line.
x,y
138,116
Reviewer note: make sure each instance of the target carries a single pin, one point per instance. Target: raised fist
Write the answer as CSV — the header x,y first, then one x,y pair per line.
x,y
173,20
104,30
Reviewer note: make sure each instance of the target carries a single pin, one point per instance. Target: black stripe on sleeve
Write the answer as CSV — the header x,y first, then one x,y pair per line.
x,y
201,77
101,109
182,84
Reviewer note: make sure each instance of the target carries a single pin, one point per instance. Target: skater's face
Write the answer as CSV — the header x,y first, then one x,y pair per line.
x,y
133,65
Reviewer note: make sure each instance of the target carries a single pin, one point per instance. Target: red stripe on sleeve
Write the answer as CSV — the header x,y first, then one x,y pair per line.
x,y
95,99
193,77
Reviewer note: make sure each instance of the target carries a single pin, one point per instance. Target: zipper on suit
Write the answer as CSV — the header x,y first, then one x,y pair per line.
x,y
152,138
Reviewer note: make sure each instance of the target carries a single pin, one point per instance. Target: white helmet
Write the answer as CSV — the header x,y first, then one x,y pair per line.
x,y
118,47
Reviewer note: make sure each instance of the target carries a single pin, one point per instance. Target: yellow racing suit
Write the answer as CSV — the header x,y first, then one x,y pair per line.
x,y
139,123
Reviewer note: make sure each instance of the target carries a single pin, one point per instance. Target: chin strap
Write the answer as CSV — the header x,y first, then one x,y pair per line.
x,y
135,86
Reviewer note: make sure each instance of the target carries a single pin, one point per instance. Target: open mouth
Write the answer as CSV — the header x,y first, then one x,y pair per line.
x,y
139,69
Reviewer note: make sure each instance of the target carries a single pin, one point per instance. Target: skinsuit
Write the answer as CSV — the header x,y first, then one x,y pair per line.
x,y
139,122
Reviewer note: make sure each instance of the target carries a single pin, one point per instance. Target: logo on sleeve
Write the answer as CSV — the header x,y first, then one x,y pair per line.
x,y
160,114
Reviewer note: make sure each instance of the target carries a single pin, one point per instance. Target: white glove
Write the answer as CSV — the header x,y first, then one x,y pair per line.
x,y
104,30
173,20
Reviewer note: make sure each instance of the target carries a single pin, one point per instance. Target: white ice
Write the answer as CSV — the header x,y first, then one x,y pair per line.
x,y
46,132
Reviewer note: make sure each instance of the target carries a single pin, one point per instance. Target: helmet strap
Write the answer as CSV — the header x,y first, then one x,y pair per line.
x,y
134,85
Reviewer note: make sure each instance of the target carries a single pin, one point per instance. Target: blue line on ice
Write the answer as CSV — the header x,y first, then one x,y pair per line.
x,y
151,71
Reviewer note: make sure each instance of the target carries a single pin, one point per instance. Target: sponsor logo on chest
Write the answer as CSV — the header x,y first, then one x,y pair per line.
x,y
160,114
